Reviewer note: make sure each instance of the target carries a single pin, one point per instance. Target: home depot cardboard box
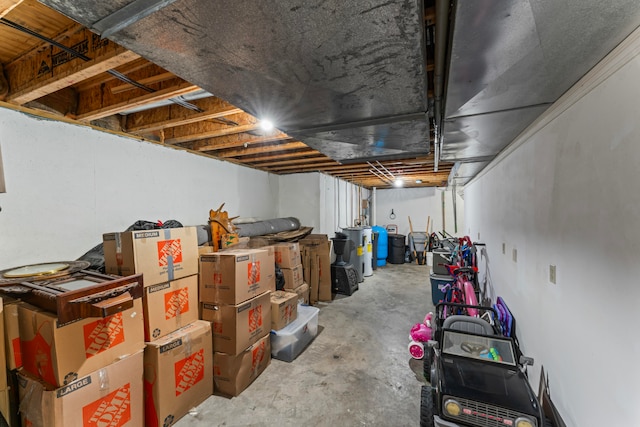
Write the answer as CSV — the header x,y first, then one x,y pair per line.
x,y
284,309
287,255
178,373
302,292
13,353
293,277
160,255
169,306
60,355
110,396
316,258
235,276
236,327
234,373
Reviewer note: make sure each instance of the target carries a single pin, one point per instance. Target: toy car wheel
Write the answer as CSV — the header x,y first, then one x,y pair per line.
x,y
427,365
426,407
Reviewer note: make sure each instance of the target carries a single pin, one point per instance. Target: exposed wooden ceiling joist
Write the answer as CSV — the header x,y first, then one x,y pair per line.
x,y
52,69
176,115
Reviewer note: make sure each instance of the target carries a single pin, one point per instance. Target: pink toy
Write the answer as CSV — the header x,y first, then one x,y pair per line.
x,y
420,333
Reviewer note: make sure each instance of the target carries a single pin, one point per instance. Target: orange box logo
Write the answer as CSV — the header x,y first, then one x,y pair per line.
x,y
257,355
278,257
17,352
189,371
176,302
169,248
255,318
217,278
217,327
103,334
112,410
253,272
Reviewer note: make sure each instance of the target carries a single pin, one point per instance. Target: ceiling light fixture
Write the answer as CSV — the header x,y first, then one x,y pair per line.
x,y
266,125
418,181
398,182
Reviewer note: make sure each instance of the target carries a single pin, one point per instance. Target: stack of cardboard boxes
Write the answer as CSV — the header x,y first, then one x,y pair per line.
x,y
235,290
290,262
316,260
80,373
177,358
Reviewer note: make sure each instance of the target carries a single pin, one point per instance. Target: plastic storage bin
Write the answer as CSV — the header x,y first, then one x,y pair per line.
x,y
438,281
288,342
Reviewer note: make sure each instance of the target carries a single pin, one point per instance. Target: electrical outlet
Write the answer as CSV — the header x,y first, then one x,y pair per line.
x,y
504,248
552,274
515,255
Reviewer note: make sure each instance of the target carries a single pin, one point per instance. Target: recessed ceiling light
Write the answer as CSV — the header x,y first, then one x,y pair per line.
x,y
418,181
266,124
398,183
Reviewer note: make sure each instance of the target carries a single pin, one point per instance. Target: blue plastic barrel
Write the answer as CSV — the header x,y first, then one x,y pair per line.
x,y
382,245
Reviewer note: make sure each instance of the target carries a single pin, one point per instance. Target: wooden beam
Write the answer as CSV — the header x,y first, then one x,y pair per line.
x,y
205,129
238,140
51,69
303,168
254,159
91,109
175,115
7,6
314,159
146,81
265,149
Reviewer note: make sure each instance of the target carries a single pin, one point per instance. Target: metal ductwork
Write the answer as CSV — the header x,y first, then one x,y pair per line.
x,y
348,78
510,60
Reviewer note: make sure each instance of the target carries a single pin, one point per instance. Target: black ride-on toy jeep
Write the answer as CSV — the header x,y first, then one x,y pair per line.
x,y
478,376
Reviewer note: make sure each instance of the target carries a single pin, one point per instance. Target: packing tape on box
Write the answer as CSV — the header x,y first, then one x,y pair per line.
x,y
217,276
30,407
254,270
170,273
186,341
103,378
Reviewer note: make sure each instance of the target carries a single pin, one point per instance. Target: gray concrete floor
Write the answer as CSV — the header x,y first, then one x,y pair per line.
x,y
357,372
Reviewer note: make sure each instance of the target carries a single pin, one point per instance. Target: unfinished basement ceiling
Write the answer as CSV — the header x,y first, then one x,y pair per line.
x,y
349,84
347,78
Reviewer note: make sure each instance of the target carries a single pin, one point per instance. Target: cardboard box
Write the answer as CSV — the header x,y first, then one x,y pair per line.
x,y
60,355
160,255
284,309
13,353
316,249
293,277
232,374
235,276
169,306
288,342
236,327
302,292
287,255
178,373
111,396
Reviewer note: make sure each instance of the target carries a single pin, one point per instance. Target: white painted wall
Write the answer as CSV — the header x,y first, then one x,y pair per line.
x,y
568,195
320,201
419,204
67,184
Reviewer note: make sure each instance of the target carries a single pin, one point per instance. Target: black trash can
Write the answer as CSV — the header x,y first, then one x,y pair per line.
x,y
396,249
374,250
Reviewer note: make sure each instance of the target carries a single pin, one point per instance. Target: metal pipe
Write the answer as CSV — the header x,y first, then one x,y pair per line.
x,y
441,35
393,177
372,208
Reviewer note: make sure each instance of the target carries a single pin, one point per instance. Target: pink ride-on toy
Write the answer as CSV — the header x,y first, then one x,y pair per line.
x,y
420,334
